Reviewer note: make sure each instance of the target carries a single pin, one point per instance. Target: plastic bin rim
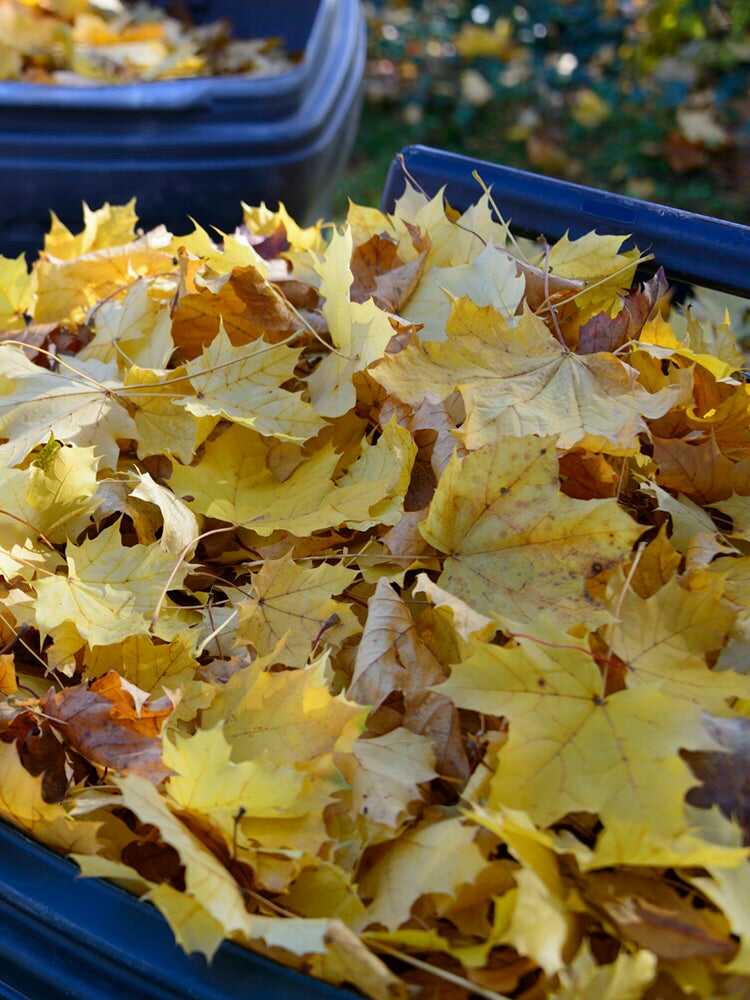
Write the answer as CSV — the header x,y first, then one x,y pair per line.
x,y
417,150
180,93
694,248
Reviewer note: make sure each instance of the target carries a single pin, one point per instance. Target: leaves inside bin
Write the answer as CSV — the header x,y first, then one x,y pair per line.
x,y
376,596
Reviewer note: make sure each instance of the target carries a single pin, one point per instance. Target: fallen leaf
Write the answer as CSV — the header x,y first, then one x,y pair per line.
x,y
111,590
490,280
552,693
248,306
292,602
500,518
180,528
627,978
432,858
389,770
244,385
520,380
233,483
76,407
360,331
663,641
654,916
451,696
104,724
391,656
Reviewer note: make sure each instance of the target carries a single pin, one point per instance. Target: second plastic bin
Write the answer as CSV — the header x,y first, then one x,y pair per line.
x,y
195,146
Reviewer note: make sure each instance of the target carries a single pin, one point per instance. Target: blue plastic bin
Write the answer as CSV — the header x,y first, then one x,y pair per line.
x,y
62,936
696,249
190,147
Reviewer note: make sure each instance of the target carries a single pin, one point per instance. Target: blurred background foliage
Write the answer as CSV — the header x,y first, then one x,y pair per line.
x,y
648,98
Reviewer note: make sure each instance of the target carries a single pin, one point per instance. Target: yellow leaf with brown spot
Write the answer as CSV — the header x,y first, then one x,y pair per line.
x,y
517,547
570,748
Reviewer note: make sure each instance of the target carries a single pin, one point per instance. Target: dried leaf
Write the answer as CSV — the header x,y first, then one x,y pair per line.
x,y
106,725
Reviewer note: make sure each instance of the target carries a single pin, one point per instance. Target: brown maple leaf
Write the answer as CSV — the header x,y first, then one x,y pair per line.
x,y
104,723
249,306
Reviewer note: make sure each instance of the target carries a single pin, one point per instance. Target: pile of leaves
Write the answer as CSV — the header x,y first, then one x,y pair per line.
x,y
89,42
377,597
562,87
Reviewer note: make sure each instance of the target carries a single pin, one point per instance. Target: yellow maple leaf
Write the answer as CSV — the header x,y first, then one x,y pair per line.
x,y
52,498
15,292
520,380
289,719
206,879
729,891
360,331
627,978
491,280
658,338
180,527
291,716
623,842
294,603
193,926
738,508
162,425
714,335
74,406
325,891
663,641
111,590
690,523
232,482
465,620
430,858
220,258
588,257
208,784
22,803
539,924
61,488
21,794
133,330
517,547
96,866
570,748
656,566
262,221
155,668
736,576
243,384
384,773
597,260
453,240
108,226
66,289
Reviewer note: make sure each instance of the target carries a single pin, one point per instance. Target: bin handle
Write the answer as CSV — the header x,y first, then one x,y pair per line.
x,y
696,249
